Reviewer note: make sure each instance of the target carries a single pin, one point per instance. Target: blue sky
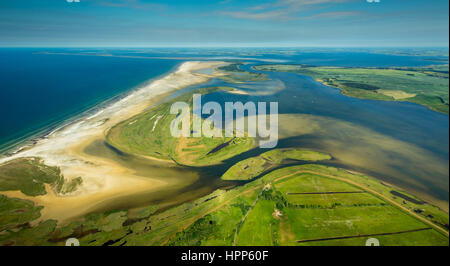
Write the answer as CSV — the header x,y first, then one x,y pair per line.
x,y
311,23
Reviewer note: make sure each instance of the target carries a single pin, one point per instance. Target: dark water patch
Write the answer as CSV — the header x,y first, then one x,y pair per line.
x,y
221,146
360,86
405,197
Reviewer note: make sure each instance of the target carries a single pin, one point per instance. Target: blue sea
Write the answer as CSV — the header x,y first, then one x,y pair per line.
x,y
40,91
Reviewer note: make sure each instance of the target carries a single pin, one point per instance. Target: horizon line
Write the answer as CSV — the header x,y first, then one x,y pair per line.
x,y
213,46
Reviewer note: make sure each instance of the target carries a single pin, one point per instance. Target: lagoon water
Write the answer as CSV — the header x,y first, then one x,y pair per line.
x,y
402,143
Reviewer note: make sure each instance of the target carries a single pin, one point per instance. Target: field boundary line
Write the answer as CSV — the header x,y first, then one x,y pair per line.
x,y
363,235
325,193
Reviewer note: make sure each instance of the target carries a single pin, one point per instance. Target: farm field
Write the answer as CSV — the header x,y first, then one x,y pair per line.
x,y
284,220
267,211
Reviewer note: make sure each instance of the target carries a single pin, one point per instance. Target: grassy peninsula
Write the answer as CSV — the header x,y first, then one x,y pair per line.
x,y
428,86
255,166
148,134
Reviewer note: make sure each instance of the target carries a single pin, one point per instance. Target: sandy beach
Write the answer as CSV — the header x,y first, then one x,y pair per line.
x,y
103,179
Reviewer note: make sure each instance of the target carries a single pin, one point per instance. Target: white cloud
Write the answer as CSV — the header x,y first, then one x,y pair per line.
x,y
284,10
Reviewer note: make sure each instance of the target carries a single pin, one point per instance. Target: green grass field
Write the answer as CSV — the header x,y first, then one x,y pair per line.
x,y
148,134
255,166
258,226
334,216
329,216
234,74
29,175
311,183
16,212
217,228
326,216
427,86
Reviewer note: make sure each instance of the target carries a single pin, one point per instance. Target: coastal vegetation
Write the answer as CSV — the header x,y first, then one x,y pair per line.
x,y
148,134
255,166
16,212
31,175
427,86
308,204
234,74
